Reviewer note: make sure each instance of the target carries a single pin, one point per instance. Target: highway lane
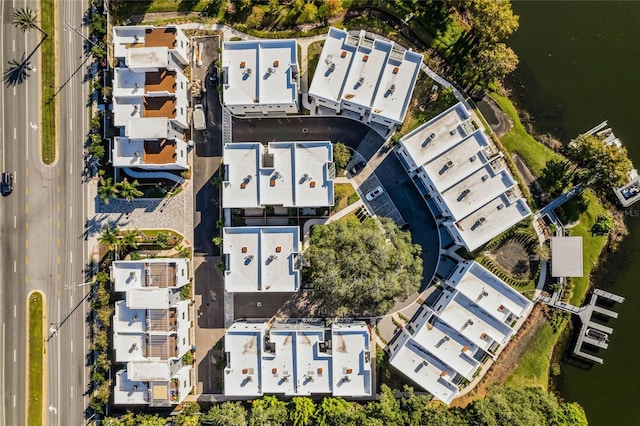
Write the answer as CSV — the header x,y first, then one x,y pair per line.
x,y
19,115
41,223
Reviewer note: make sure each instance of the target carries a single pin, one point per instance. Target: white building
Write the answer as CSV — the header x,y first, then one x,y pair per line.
x,y
288,174
151,332
473,317
297,358
455,166
260,77
150,99
369,76
261,259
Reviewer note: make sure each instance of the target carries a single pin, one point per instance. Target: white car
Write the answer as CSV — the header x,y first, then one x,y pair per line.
x,y
374,193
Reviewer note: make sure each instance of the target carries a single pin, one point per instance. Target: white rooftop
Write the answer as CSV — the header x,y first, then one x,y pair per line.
x,y
149,371
128,83
364,74
490,220
127,391
333,65
290,174
471,321
437,135
351,359
459,162
566,257
416,363
148,298
129,347
488,291
148,58
128,320
243,344
259,72
445,343
261,258
147,128
477,189
161,273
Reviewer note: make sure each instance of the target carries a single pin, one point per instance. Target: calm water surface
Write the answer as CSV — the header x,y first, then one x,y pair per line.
x,y
580,64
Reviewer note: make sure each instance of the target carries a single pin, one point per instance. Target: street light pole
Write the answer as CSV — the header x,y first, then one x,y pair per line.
x,y
79,33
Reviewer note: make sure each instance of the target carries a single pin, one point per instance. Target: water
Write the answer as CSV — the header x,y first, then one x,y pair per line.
x,y
579,66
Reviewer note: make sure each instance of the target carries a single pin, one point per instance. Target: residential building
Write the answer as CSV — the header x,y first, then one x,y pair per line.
x,y
150,99
472,318
288,174
467,181
152,332
297,358
261,259
366,75
260,77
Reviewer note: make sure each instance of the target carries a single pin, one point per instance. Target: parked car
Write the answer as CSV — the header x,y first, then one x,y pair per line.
x,y
199,117
213,76
7,183
374,193
357,168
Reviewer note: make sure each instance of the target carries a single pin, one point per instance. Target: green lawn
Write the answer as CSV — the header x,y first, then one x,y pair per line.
x,y
313,55
36,354
533,367
534,153
48,65
344,196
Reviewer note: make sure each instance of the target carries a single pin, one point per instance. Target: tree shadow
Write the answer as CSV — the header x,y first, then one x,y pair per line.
x,y
554,176
570,211
18,71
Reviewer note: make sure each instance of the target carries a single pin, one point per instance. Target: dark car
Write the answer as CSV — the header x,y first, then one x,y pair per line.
x,y
7,183
357,168
213,75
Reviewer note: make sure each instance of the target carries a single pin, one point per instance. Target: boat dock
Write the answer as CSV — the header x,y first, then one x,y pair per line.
x,y
591,332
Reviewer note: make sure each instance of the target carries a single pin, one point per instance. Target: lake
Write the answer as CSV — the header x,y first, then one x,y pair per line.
x,y
579,65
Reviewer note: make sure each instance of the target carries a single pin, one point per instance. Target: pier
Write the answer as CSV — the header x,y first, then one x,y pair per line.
x,y
591,332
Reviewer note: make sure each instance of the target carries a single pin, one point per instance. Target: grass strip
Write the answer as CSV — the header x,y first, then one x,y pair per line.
x,y
48,65
533,367
36,355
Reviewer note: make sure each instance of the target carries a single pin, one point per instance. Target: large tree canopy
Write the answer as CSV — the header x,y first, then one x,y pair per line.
x,y
360,269
601,166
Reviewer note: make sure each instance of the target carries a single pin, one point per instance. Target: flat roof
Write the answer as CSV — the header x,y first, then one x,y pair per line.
x,y
259,72
566,257
488,291
261,258
477,189
147,128
149,371
351,359
445,343
333,65
148,298
148,57
128,320
158,272
491,220
396,85
127,391
472,321
128,83
243,344
427,371
447,129
291,174
364,74
138,152
459,161
130,347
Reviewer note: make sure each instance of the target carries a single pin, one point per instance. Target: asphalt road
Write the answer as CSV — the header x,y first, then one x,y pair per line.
x,y
41,223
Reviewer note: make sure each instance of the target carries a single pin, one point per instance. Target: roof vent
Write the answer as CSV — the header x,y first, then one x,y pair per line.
x,y
365,58
452,131
332,66
395,70
242,64
485,177
500,206
432,136
276,63
449,164
343,54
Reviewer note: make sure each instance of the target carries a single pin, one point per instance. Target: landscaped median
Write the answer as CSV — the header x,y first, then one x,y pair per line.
x,y
47,97
35,358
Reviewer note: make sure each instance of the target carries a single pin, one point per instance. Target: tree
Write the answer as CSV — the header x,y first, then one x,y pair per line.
x,y
360,269
255,19
109,236
189,414
129,190
226,414
268,411
341,156
25,19
493,20
162,240
493,63
604,225
602,165
338,412
302,411
386,409
107,190
309,14
330,8
130,238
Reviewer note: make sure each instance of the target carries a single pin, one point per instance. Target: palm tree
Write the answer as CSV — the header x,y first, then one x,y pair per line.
x,y
130,190
107,190
130,238
26,19
109,236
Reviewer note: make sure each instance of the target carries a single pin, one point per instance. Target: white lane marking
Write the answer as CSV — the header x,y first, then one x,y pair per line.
x,y
70,212
70,168
15,221
14,90
71,392
71,123
14,355
71,345
71,257
14,44
15,311
15,135
14,266
14,400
